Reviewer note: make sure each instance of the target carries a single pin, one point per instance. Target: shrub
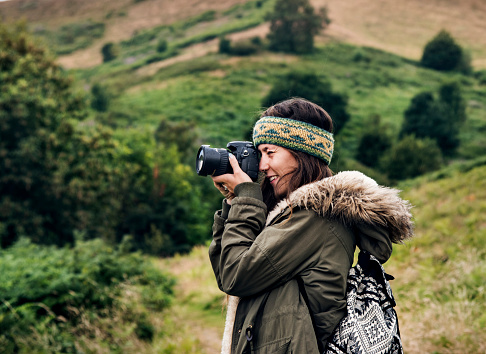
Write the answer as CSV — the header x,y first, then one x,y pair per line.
x,y
224,45
100,99
110,51
244,47
162,46
440,119
411,157
52,292
444,54
374,142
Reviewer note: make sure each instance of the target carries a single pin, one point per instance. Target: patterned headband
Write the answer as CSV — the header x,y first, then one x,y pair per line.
x,y
294,135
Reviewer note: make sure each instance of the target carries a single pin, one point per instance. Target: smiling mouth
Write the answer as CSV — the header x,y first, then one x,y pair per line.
x,y
272,178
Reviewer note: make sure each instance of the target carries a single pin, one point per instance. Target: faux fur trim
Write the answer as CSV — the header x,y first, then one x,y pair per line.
x,y
353,198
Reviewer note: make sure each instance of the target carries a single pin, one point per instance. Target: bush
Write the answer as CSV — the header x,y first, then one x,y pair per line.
x,y
162,46
224,45
49,292
244,47
374,142
440,119
110,51
100,99
444,54
411,157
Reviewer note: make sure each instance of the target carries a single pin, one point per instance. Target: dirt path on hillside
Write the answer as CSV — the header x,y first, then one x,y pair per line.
x,y
195,281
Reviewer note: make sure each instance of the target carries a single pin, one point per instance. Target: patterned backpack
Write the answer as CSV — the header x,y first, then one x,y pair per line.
x,y
371,323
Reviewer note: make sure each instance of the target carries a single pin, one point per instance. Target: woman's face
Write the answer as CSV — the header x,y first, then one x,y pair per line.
x,y
278,164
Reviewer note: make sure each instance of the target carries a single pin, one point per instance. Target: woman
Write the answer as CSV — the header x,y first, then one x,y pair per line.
x,y
302,223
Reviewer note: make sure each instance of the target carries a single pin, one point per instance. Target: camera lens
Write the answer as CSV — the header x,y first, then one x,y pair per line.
x,y
200,160
213,162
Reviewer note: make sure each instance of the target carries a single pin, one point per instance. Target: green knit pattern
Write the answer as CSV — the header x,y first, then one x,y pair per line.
x,y
294,135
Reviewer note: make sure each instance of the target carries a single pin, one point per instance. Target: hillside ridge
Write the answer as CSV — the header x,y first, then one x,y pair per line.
x,y
402,28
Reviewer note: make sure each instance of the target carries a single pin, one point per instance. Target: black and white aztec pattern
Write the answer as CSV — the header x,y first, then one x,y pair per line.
x,y
371,324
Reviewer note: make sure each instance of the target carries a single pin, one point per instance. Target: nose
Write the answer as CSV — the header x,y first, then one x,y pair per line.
x,y
263,166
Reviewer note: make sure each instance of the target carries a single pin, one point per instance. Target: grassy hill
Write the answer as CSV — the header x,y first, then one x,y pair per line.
x,y
401,28
370,53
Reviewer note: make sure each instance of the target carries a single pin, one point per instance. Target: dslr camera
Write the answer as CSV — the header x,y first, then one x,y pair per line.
x,y
215,162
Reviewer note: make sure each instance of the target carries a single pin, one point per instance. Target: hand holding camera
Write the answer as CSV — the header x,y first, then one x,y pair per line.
x,y
228,167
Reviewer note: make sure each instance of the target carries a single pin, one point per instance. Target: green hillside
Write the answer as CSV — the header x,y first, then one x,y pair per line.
x,y
122,164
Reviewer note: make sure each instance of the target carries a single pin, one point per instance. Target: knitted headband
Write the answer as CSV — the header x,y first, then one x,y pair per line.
x,y
294,135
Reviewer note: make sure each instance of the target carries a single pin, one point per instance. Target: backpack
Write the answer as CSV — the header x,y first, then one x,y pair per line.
x,y
371,322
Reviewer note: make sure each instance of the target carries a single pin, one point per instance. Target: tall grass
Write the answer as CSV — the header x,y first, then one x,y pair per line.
x,y
441,273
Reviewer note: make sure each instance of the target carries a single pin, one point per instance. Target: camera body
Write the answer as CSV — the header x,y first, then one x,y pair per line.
x,y
215,161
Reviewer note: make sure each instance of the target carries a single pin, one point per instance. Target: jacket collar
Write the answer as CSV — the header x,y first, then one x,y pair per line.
x,y
353,199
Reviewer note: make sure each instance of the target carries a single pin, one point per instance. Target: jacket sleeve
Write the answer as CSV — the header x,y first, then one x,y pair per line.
x,y
220,217
254,258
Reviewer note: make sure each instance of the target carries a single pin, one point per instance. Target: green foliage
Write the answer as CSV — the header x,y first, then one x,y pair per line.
x,y
444,54
411,157
440,119
59,175
245,47
374,142
309,86
224,45
161,45
36,101
52,293
100,99
110,51
293,25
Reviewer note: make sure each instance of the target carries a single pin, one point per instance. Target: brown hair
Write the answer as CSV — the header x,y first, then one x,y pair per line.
x,y
310,168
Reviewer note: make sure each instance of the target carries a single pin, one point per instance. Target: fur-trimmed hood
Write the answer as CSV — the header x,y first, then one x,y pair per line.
x,y
377,213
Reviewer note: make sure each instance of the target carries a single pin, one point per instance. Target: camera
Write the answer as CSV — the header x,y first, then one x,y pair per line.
x,y
215,162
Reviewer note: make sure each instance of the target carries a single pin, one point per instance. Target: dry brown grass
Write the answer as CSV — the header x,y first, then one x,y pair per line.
x,y
404,27
400,27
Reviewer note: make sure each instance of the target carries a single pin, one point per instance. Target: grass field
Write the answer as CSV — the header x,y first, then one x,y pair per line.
x,y
440,274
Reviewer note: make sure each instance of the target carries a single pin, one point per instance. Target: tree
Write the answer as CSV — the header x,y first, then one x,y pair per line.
x,y
36,105
100,99
311,87
440,119
61,172
224,45
293,25
110,51
374,142
162,45
444,54
411,157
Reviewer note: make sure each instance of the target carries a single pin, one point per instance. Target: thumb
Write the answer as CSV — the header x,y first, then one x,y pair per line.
x,y
234,163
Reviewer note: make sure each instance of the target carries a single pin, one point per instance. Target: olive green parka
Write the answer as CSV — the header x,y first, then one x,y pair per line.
x,y
312,235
